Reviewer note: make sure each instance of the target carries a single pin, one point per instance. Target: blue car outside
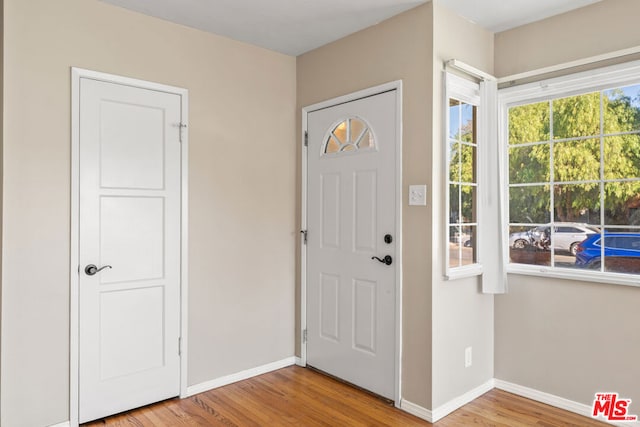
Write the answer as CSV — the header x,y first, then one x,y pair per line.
x,y
625,245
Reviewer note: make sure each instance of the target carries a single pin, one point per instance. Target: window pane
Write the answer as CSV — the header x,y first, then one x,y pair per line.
x,y
621,251
529,123
357,128
529,204
576,116
576,203
456,237
454,204
454,161
529,164
519,236
462,246
621,203
454,118
340,132
522,249
333,146
566,241
576,160
622,109
622,157
468,245
468,123
467,163
468,194
366,141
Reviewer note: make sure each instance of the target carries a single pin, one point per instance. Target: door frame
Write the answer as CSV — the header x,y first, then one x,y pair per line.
x,y
365,93
74,267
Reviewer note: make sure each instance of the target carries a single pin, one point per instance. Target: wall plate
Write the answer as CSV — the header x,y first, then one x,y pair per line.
x,y
417,195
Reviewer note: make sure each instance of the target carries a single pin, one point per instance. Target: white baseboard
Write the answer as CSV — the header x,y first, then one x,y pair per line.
x,y
299,362
239,376
416,410
557,401
64,424
444,410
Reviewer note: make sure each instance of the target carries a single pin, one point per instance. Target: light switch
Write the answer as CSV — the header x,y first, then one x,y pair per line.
x,y
417,195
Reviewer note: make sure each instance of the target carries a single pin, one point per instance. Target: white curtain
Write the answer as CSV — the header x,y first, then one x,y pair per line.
x,y
491,242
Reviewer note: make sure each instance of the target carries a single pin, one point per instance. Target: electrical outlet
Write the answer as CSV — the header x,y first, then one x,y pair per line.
x,y
468,357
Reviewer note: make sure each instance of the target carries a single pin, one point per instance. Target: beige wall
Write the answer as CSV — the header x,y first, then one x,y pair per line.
x,y
603,27
568,338
552,335
242,191
396,49
462,315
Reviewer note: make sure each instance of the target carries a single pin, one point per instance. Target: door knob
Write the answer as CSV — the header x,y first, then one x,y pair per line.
x,y
386,260
91,269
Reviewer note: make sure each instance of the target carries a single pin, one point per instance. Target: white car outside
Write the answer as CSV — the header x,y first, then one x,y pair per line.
x,y
566,236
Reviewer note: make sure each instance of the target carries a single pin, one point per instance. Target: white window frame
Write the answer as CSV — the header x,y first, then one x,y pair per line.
x,y
468,92
575,84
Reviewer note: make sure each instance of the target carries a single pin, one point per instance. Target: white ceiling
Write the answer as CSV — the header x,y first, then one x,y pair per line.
x,y
297,26
500,15
288,26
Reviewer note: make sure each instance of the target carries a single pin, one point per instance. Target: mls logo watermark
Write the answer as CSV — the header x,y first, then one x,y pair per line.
x,y
612,408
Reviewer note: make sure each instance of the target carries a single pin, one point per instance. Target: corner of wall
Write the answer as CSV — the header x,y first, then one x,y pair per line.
x,y
462,315
552,351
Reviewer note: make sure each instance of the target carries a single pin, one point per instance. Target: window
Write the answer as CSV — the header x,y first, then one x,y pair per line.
x,y
351,134
573,167
462,101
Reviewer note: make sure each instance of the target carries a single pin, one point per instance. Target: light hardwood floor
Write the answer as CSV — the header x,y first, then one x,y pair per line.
x,y
303,397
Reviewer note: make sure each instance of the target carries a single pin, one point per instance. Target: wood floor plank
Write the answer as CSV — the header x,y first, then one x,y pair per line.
x,y
297,396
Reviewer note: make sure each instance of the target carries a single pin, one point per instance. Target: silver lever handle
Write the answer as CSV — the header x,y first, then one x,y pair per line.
x,y
91,269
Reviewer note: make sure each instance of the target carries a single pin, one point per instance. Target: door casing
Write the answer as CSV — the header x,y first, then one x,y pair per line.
x,y
397,86
76,75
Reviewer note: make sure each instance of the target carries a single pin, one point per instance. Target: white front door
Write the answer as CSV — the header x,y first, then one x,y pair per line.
x,y
351,218
129,230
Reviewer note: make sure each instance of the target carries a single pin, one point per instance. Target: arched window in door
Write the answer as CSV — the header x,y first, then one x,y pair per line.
x,y
351,134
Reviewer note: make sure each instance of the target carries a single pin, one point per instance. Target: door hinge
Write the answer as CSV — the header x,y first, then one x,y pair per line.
x,y
304,236
304,336
306,138
181,126
179,346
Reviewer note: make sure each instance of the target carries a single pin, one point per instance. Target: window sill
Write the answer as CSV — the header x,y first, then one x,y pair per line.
x,y
464,272
575,275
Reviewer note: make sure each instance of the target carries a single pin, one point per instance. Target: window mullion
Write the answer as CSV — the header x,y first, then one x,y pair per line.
x,y
552,187
460,145
602,209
